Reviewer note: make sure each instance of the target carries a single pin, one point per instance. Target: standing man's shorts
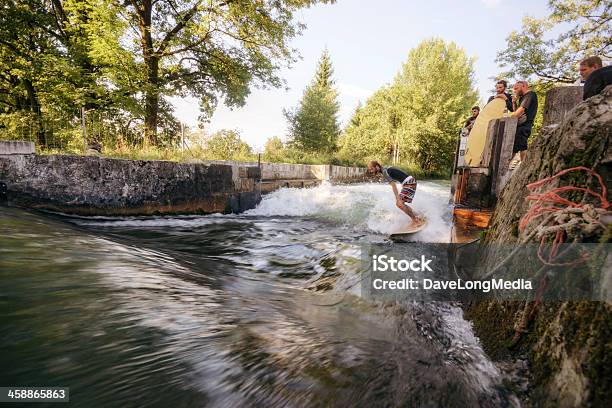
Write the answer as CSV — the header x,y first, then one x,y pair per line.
x,y
520,140
408,189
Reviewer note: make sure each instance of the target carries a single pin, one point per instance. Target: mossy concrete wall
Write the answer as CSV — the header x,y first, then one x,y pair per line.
x,y
93,185
102,186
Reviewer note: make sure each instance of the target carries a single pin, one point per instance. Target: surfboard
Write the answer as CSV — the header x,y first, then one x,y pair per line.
x,y
404,233
478,136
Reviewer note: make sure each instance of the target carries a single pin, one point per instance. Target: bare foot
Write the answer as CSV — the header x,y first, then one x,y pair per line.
x,y
416,223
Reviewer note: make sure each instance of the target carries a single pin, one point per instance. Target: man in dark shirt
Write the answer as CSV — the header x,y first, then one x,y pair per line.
x,y
500,92
525,109
595,76
404,197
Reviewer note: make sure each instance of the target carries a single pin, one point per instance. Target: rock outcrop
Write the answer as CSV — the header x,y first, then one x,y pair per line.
x,y
568,343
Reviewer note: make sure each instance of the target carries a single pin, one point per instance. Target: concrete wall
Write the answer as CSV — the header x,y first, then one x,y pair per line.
x,y
290,171
340,173
99,186
16,147
321,172
279,175
92,185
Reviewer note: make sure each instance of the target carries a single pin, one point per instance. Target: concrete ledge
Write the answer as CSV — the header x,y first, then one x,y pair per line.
x,y
277,172
267,186
16,147
89,185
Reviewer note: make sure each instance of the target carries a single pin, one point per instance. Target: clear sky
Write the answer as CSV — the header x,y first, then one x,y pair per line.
x,y
368,41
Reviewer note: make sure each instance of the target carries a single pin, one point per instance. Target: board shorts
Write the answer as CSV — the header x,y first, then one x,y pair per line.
x,y
408,190
520,140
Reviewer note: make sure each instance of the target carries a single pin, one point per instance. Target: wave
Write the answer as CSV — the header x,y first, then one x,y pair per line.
x,y
362,206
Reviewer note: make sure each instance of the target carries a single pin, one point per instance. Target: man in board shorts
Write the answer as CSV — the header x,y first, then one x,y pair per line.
x,y
403,197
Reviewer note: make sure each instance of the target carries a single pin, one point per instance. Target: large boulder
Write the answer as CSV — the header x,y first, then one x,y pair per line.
x,y
581,139
567,343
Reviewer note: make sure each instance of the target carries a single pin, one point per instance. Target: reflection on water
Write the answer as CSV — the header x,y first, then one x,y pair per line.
x,y
219,311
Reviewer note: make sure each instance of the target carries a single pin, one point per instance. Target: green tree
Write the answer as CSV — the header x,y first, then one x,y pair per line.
x,y
313,125
548,50
123,58
49,70
416,118
226,145
434,93
209,49
273,149
370,133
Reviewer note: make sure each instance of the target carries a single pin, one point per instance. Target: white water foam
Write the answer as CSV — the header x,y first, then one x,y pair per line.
x,y
363,206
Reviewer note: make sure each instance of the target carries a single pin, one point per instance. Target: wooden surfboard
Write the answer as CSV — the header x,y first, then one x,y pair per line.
x,y
478,135
405,233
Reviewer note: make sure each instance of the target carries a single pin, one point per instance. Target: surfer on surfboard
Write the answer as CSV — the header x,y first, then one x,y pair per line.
x,y
403,197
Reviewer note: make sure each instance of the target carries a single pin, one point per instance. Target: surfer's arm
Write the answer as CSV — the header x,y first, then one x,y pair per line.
x,y
396,193
394,188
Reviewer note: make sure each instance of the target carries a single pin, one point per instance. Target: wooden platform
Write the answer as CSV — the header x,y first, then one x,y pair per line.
x,y
472,217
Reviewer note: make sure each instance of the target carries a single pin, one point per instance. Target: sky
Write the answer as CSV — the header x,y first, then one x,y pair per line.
x,y
368,41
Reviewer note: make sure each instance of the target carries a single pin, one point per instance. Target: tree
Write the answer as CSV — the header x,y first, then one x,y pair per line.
x,y
416,118
434,93
208,49
273,149
226,145
49,69
536,53
313,125
122,57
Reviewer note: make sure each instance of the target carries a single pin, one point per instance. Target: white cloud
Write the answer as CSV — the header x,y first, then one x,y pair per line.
x,y
490,3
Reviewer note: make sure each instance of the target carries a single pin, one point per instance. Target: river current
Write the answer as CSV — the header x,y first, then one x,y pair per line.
x,y
229,310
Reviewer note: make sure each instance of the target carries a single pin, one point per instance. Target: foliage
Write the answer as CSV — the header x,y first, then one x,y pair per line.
x,y
273,149
226,145
209,50
121,59
313,125
535,53
416,117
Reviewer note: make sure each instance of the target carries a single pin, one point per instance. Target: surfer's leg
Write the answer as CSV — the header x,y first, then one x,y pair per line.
x,y
405,197
406,209
401,205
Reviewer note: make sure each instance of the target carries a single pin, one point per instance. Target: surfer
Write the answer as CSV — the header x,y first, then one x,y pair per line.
x,y
403,197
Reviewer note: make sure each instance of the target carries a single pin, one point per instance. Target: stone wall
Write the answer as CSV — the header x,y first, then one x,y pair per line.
x,y
346,174
16,147
103,186
568,343
292,171
94,185
560,101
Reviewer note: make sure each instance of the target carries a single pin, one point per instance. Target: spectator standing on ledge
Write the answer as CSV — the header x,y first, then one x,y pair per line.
x,y
500,92
469,124
595,76
525,109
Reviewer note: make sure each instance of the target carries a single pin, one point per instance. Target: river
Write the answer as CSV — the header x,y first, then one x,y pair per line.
x,y
228,310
